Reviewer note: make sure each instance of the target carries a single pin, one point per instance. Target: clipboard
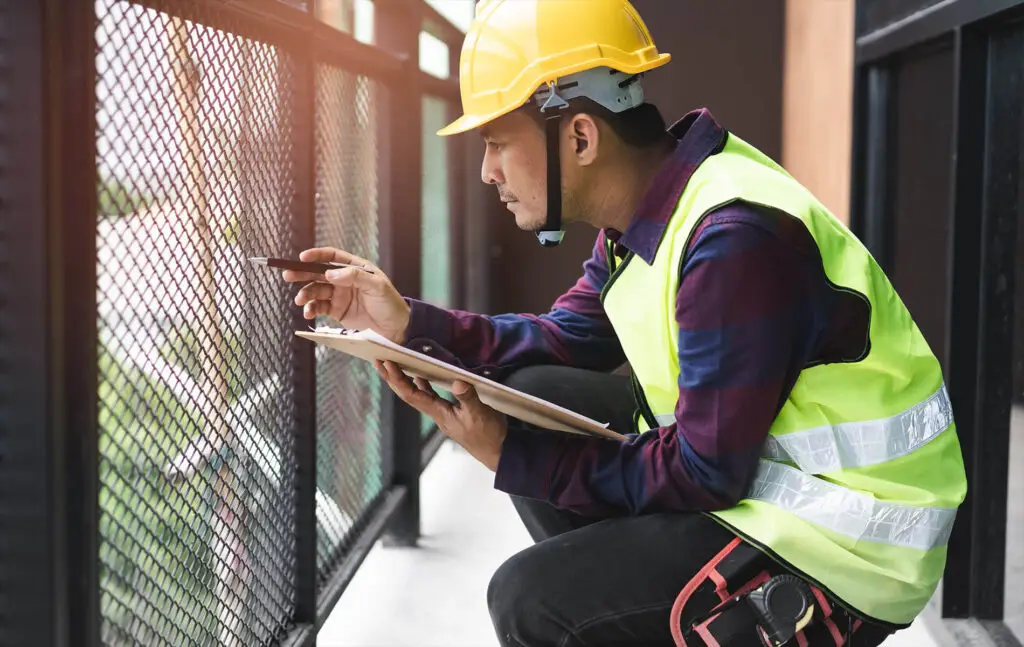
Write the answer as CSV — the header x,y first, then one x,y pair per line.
x,y
370,346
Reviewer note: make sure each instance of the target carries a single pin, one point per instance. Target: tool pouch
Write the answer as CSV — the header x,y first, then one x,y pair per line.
x,y
717,609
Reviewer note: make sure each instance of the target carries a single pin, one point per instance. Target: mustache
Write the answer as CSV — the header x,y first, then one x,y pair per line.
x,y
506,196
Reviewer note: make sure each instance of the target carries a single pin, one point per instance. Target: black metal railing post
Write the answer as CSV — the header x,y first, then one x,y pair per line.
x,y
876,217
396,30
48,457
28,588
962,281
457,177
71,185
301,80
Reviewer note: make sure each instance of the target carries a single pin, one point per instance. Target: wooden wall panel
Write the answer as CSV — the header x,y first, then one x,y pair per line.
x,y
818,98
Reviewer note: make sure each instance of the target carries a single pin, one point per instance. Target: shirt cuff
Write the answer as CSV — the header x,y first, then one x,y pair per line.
x,y
524,467
426,322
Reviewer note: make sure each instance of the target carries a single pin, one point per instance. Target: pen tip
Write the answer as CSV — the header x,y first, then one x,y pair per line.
x,y
258,260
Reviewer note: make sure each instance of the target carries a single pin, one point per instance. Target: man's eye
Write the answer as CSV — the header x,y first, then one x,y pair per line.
x,y
495,146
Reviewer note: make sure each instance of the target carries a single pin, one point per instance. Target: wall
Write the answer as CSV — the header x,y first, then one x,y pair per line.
x,y
818,98
727,56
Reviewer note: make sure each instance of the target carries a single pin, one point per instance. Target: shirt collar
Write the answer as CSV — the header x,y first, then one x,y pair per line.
x,y
697,136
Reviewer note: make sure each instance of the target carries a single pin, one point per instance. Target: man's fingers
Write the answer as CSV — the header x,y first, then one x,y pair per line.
x,y
327,254
292,276
465,394
314,292
424,385
315,308
424,401
351,277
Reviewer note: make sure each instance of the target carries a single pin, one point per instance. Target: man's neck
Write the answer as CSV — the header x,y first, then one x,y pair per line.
x,y
621,186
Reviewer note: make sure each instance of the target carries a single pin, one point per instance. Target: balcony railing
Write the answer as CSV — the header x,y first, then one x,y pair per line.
x,y
175,466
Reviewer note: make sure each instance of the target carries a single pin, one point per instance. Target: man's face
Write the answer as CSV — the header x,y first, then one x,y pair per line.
x,y
515,161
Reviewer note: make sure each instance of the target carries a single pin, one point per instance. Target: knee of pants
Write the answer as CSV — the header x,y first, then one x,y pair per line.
x,y
533,380
559,385
515,597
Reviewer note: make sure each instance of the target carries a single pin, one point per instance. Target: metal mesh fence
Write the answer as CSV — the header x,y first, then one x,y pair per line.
x,y
349,465
210,149
195,393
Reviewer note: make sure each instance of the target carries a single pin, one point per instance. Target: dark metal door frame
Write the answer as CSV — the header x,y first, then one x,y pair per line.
x,y
979,339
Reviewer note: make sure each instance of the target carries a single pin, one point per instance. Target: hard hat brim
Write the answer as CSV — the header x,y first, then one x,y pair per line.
x,y
468,122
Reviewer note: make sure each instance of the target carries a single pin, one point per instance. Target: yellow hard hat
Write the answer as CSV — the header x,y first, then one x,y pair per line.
x,y
515,46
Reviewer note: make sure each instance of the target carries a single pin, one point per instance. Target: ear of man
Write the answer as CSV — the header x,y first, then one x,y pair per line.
x,y
585,133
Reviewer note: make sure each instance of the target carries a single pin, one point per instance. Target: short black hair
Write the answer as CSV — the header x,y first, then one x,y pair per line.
x,y
641,127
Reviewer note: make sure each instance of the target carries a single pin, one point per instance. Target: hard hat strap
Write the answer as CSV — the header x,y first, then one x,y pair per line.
x,y
551,233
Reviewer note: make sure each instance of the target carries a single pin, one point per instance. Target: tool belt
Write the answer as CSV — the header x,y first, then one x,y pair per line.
x,y
751,606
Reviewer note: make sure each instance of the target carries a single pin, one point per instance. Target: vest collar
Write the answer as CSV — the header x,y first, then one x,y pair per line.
x,y
697,136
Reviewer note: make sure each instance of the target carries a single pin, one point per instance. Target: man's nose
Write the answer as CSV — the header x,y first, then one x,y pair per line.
x,y
490,172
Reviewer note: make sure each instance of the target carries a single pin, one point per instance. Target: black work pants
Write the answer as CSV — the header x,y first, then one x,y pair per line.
x,y
603,582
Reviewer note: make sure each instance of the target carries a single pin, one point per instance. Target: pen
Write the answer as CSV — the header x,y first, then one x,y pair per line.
x,y
301,266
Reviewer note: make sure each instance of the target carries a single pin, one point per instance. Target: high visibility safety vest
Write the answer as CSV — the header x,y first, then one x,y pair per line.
x,y
861,475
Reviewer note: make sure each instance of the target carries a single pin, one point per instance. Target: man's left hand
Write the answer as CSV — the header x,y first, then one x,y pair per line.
x,y
477,427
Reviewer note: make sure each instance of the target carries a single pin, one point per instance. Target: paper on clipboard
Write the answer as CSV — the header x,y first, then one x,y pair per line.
x,y
370,346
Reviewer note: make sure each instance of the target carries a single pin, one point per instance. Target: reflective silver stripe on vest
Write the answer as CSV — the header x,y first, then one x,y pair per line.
x,y
665,419
857,444
850,513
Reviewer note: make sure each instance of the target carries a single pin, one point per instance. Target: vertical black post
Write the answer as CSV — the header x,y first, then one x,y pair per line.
x,y
858,157
1000,206
48,195
28,586
396,30
457,163
970,96
71,184
299,78
876,220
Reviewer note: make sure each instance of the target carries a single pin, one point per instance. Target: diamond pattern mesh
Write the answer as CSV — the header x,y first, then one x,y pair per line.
x,y
195,398
349,466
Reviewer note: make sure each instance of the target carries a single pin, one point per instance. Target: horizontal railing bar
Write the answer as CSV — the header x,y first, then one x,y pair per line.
x,y
338,49
269,21
446,89
364,542
925,25
303,635
278,24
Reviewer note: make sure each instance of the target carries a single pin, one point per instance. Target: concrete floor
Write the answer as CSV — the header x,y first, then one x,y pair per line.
x,y
434,595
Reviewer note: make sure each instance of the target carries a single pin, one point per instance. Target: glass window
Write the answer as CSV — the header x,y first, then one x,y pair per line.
x,y
459,12
433,56
436,209
350,16
436,250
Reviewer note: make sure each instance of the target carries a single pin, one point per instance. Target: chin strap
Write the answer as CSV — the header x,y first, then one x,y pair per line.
x,y
551,233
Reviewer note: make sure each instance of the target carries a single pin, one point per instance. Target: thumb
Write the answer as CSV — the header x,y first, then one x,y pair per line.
x,y
465,394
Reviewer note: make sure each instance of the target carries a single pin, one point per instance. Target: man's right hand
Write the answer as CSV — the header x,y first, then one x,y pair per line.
x,y
355,298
